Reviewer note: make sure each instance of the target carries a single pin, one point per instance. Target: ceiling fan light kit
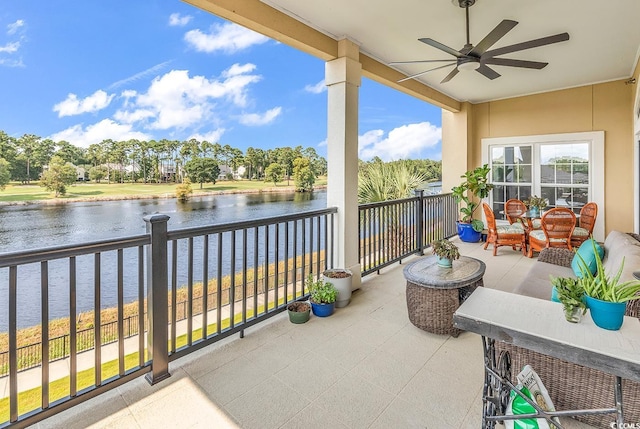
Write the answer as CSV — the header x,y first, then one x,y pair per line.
x,y
479,57
469,66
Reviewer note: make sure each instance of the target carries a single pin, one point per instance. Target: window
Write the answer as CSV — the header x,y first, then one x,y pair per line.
x,y
566,169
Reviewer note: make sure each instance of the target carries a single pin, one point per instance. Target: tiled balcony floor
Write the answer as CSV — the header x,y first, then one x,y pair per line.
x,y
366,366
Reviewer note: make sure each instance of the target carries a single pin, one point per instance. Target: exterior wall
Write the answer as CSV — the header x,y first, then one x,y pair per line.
x,y
602,107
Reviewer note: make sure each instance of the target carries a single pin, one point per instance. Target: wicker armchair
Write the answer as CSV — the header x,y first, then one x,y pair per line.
x,y
503,235
557,227
587,221
513,210
573,386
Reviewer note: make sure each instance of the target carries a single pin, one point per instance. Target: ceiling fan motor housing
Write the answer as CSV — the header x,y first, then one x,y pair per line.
x,y
463,3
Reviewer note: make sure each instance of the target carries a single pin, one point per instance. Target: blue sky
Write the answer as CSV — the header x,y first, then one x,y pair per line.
x,y
88,71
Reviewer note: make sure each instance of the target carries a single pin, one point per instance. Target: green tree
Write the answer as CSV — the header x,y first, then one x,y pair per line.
x,y
58,176
27,145
202,170
303,175
97,173
5,173
274,173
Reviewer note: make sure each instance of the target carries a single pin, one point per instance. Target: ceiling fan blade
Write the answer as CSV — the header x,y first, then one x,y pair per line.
x,y
421,73
490,39
488,72
450,76
442,47
422,61
527,45
515,63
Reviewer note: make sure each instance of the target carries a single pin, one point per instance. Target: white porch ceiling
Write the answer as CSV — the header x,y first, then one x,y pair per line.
x,y
603,45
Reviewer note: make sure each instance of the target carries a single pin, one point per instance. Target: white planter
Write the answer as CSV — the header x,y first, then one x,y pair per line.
x,y
343,284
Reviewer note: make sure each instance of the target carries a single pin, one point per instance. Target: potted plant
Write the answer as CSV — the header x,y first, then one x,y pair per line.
x,y
606,297
446,252
341,279
474,188
571,295
323,296
536,204
298,312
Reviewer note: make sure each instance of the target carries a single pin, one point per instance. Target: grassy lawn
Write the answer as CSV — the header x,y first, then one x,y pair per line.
x,y
15,192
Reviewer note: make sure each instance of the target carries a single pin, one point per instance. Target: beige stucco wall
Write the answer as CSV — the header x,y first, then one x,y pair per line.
x,y
602,107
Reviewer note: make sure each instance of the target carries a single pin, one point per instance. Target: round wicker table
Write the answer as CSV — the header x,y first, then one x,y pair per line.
x,y
434,293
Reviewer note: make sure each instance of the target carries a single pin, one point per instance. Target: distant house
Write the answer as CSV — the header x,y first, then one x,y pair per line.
x,y
225,170
81,174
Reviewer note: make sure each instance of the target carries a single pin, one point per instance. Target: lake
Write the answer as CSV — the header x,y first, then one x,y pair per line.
x,y
37,226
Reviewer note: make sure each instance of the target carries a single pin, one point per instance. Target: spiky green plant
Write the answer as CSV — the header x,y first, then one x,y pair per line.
x,y
381,181
603,287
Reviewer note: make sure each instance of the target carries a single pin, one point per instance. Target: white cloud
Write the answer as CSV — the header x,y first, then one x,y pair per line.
x,y
228,38
73,106
14,27
211,137
256,119
10,48
318,88
177,100
403,142
177,20
96,133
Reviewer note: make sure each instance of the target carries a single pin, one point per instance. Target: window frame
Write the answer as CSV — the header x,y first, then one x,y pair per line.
x,y
595,140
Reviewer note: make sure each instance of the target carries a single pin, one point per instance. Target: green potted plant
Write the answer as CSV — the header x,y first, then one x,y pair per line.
x,y
468,195
606,297
323,296
571,295
446,252
536,204
298,312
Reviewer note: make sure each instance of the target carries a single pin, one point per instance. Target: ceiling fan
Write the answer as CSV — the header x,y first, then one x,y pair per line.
x,y
478,57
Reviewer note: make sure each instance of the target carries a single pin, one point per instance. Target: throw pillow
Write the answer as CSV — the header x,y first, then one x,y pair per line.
x,y
586,252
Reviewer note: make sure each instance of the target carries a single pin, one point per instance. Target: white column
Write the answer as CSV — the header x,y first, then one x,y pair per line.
x,y
342,77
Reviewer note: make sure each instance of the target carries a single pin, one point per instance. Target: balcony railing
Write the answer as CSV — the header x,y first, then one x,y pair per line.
x,y
392,230
222,279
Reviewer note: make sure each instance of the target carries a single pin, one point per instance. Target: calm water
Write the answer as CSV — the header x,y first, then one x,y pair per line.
x,y
37,226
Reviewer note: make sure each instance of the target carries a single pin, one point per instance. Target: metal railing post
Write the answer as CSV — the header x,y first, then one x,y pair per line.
x,y
419,222
157,299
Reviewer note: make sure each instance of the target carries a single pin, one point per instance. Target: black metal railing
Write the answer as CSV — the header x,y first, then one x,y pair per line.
x,y
203,283
214,280
392,230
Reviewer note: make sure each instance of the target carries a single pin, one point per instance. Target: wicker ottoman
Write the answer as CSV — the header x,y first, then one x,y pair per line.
x,y
435,293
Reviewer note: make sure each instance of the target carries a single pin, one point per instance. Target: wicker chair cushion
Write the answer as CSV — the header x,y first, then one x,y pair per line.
x,y
537,223
580,232
538,234
510,229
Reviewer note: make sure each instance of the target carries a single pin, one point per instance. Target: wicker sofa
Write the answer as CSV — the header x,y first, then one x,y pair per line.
x,y
574,386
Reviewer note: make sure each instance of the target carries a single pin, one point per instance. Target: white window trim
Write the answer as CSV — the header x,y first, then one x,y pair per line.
x,y
596,157
636,162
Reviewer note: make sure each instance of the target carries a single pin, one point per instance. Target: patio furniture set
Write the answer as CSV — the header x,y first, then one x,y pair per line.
x,y
574,379
558,227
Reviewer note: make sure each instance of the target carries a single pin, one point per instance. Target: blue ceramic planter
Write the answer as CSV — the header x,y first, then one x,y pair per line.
x,y
467,233
444,262
322,310
607,315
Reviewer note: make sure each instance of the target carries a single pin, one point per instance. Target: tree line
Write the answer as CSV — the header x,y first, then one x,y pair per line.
x,y
28,158
151,161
